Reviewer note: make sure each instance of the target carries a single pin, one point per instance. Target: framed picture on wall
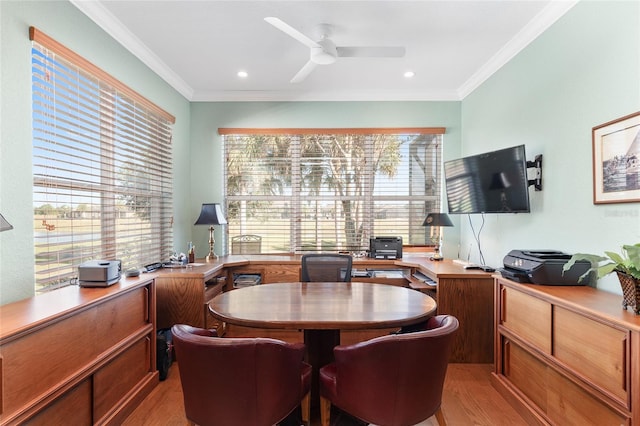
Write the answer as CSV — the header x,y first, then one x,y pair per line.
x,y
616,161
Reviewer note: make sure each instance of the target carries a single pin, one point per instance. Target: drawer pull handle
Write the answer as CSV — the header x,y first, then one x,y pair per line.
x,y
624,364
146,304
503,304
506,362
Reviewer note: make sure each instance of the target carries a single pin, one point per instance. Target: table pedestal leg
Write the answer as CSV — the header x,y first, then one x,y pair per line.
x,y
319,346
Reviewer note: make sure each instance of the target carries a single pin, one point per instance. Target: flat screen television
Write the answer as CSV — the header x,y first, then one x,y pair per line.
x,y
493,182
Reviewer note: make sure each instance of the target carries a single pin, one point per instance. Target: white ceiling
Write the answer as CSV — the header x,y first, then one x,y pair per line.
x,y
199,46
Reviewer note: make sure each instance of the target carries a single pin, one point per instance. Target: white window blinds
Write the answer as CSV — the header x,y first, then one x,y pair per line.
x,y
102,168
317,191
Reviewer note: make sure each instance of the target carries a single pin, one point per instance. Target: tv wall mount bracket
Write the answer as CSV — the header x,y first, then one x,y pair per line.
x,y
537,165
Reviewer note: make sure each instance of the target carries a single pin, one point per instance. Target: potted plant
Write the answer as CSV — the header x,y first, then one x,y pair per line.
x,y
626,265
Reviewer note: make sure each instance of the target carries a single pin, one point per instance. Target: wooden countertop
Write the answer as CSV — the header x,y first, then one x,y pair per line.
x,y
439,268
443,268
30,313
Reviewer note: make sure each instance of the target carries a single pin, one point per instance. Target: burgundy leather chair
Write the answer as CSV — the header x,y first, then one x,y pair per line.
x,y
240,381
393,380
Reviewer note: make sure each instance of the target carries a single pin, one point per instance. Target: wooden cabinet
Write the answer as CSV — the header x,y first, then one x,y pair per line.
x,y
78,356
567,355
466,294
183,295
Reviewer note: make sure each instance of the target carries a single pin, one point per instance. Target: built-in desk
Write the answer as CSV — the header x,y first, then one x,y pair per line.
x,y
87,355
467,294
183,293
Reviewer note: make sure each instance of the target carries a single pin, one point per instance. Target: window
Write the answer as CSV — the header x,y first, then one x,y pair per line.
x,y
311,190
102,168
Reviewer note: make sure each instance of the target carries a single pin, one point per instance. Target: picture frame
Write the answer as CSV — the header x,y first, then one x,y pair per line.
x,y
616,160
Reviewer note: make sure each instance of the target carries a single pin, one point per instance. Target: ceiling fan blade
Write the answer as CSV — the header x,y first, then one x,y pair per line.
x,y
371,52
304,72
289,30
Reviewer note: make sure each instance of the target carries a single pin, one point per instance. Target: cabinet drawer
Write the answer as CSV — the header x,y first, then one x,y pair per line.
x,y
121,376
594,350
72,408
526,316
121,317
560,399
41,361
566,400
37,363
281,273
526,372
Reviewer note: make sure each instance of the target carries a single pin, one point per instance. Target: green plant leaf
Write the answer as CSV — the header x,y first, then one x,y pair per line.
x,y
592,258
633,251
606,269
614,256
628,262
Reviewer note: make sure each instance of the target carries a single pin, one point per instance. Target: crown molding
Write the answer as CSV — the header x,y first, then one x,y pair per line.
x,y
539,24
322,96
112,26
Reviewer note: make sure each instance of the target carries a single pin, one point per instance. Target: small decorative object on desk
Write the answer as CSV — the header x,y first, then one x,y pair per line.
x,y
178,259
625,265
630,291
191,252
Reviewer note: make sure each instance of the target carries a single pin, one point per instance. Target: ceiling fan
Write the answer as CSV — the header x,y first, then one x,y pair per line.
x,y
325,52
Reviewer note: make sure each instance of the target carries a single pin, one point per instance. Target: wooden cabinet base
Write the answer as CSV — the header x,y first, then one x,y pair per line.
x,y
564,356
92,362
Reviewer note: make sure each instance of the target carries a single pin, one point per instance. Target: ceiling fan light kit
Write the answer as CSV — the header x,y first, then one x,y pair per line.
x,y
325,52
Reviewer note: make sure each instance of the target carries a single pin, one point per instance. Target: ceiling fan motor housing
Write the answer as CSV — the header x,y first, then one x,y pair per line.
x,y
325,54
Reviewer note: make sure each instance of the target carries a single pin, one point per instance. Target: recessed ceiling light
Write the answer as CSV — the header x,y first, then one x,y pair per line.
x,y
243,74
409,74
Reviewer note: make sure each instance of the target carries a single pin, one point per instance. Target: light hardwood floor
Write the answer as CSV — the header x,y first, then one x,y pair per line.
x,y
468,400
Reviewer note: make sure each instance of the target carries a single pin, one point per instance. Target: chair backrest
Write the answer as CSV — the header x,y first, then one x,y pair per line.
x,y
237,381
326,267
246,244
396,379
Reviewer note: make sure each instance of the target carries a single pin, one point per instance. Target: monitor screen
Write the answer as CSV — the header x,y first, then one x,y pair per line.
x,y
493,182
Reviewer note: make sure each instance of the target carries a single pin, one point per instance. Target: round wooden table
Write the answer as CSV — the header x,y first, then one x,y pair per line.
x,y
321,310
322,306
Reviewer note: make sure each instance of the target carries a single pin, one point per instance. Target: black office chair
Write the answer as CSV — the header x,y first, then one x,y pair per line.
x,y
326,267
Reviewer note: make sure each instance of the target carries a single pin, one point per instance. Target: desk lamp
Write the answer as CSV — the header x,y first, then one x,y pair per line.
x,y
211,214
4,225
436,221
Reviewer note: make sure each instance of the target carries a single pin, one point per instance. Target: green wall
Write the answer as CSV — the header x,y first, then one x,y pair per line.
x,y
582,72
66,24
207,118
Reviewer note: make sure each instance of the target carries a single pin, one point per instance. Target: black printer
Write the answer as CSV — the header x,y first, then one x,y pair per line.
x,y
385,247
543,267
